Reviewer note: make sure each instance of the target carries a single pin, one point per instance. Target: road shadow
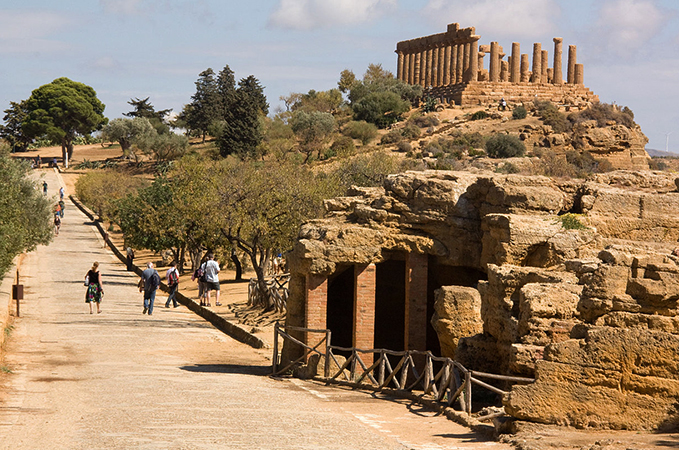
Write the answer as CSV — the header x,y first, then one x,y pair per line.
x,y
256,370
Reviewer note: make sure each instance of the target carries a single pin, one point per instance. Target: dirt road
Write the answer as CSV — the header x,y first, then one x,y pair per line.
x,y
123,380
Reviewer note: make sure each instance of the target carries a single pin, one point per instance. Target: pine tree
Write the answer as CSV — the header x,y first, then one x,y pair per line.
x,y
204,108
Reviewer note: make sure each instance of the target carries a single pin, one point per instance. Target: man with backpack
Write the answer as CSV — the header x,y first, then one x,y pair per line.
x,y
150,280
172,277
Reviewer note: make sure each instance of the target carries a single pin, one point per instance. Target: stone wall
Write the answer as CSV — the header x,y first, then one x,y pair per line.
x,y
592,313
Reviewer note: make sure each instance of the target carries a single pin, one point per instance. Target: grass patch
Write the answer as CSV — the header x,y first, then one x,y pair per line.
x,y
571,221
5,369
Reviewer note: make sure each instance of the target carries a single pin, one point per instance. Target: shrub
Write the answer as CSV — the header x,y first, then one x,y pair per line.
x,y
551,116
101,189
381,108
507,168
404,146
571,222
367,170
411,131
343,146
504,146
478,115
604,113
361,130
519,113
392,137
657,164
425,121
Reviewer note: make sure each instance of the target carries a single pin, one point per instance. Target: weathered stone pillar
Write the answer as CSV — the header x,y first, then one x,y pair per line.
x,y
453,64
504,71
446,64
399,67
557,77
494,62
411,70
466,76
406,68
525,68
545,66
572,56
435,66
364,310
442,62
428,70
514,69
537,63
418,68
416,302
579,74
474,58
316,313
459,68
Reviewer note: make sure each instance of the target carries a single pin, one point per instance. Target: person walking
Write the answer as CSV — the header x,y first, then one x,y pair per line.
x,y
62,205
199,276
57,223
150,280
212,278
130,258
44,187
95,288
172,277
61,193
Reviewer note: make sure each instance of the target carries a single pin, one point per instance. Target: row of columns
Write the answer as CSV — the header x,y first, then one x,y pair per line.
x,y
363,329
446,64
440,65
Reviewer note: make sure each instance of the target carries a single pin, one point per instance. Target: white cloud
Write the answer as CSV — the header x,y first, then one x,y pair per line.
x,y
515,18
311,14
628,25
18,25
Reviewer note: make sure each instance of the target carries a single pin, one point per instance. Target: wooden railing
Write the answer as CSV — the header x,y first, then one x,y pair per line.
x,y
276,294
450,382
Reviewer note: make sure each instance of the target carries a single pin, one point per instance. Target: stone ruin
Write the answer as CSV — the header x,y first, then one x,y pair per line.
x,y
481,268
450,66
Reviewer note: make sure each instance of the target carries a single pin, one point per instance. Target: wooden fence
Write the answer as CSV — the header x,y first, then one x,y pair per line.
x,y
442,379
276,294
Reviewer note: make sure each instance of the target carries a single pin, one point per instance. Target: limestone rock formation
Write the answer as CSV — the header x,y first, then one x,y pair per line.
x,y
457,314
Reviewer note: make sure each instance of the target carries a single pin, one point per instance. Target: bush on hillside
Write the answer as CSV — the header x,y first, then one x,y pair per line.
x,y
343,146
519,113
551,116
425,121
392,137
478,115
361,130
604,113
504,146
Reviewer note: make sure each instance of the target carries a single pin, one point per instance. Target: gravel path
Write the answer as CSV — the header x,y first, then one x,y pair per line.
x,y
123,380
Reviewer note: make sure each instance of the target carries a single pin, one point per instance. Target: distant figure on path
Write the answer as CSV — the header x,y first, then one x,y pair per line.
x,y
212,278
150,280
61,193
199,276
57,223
62,205
44,187
95,289
172,277
130,258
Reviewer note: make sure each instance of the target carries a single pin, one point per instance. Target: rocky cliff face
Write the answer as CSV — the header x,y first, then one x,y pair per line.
x,y
593,313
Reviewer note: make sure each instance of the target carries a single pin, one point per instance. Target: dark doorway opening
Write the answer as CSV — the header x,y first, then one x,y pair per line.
x,y
444,275
390,303
340,312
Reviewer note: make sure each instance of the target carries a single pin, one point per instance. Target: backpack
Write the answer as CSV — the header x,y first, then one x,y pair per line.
x,y
174,278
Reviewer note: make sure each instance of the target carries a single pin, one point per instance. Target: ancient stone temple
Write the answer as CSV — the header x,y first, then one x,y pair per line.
x,y
450,66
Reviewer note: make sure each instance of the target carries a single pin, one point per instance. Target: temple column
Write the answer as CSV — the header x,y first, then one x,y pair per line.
x,y
504,71
435,66
399,67
316,313
494,71
364,310
459,68
467,56
442,65
418,68
537,63
544,78
474,59
411,69
579,77
525,68
515,68
446,64
572,55
557,77
453,64
428,70
416,302
406,68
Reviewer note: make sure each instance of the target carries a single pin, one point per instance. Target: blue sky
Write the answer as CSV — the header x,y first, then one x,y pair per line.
x,y
157,48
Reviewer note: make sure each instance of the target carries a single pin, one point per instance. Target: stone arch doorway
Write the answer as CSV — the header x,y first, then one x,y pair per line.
x,y
340,306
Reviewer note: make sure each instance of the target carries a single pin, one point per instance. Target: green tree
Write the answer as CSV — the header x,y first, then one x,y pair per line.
x,y
129,132
504,146
243,128
12,131
363,131
168,147
312,129
26,213
144,108
204,107
381,108
102,188
62,110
